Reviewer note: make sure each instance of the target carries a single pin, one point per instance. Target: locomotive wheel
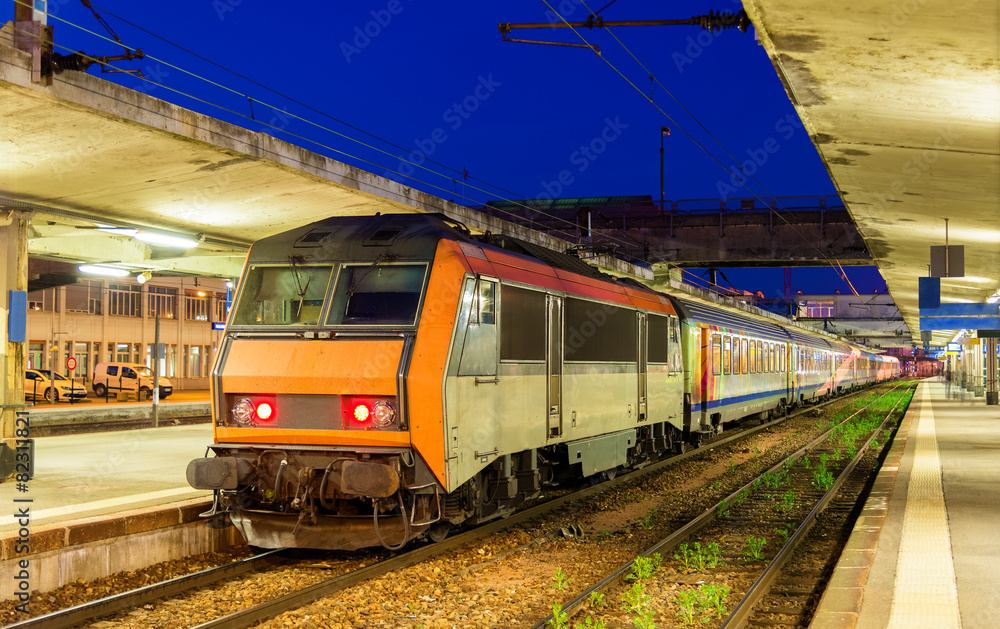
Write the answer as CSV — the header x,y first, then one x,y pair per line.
x,y
439,531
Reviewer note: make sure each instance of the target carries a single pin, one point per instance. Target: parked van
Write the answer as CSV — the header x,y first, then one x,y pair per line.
x,y
116,377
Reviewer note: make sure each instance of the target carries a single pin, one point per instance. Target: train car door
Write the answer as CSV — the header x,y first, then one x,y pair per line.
x,y
554,363
642,364
473,394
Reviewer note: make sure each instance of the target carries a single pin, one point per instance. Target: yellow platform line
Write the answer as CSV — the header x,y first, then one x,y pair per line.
x,y
925,593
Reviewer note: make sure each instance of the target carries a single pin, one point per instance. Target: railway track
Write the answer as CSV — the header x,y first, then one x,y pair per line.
x,y
794,579
263,611
86,612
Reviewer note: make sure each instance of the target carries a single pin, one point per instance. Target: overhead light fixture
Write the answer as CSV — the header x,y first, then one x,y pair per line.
x,y
152,237
165,240
143,277
108,271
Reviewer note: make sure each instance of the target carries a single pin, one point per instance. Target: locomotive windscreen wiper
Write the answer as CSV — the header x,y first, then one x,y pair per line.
x,y
359,277
298,284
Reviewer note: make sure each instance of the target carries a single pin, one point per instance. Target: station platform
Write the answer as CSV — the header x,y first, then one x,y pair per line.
x,y
926,550
103,473
95,414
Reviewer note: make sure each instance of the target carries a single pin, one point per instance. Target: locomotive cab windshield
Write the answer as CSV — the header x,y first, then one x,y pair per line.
x,y
369,293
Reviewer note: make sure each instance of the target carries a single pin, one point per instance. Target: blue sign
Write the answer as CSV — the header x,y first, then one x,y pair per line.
x,y
960,316
17,320
218,325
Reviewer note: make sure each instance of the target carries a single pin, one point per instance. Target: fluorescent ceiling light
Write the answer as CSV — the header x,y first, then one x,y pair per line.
x,y
102,270
165,240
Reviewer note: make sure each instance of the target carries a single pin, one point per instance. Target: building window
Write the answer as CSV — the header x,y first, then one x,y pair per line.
x,y
220,307
193,360
36,352
84,297
822,309
123,352
123,300
195,305
44,300
162,302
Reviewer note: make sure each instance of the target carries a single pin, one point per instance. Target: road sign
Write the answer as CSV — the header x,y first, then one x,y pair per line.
x,y
71,363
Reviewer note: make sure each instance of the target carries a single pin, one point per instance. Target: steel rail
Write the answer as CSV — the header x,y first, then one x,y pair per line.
x,y
93,610
294,600
741,613
668,543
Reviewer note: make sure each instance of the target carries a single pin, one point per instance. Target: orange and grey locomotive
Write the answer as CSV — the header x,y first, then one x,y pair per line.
x,y
383,378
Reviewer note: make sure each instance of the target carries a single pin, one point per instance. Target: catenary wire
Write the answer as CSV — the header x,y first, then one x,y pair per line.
x,y
686,132
569,234
298,102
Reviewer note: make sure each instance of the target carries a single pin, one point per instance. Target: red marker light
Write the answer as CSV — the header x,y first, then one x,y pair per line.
x,y
361,413
265,411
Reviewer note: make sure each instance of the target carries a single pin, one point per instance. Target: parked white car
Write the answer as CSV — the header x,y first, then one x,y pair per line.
x,y
131,377
39,383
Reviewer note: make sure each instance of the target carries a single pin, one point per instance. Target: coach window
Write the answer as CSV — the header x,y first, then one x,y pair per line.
x,y
761,365
752,358
770,357
736,355
727,355
743,356
716,355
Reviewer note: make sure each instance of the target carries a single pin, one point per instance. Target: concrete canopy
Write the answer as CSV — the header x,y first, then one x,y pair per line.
x,y
85,152
902,100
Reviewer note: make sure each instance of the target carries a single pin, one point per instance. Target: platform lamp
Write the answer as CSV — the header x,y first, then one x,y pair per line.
x,y
143,277
663,131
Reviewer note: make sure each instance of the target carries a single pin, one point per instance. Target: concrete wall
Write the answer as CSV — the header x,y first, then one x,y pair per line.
x,y
92,548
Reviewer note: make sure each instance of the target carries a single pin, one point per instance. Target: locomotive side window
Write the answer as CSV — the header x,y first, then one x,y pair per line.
x,y
598,332
486,304
658,351
716,355
289,294
479,349
522,324
377,294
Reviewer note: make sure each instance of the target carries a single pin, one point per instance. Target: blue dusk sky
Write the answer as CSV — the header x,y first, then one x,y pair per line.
x,y
428,93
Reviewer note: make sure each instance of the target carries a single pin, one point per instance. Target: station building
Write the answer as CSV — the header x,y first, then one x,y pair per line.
x,y
114,320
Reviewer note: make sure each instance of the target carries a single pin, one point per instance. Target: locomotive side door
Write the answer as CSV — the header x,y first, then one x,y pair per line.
x,y
554,362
